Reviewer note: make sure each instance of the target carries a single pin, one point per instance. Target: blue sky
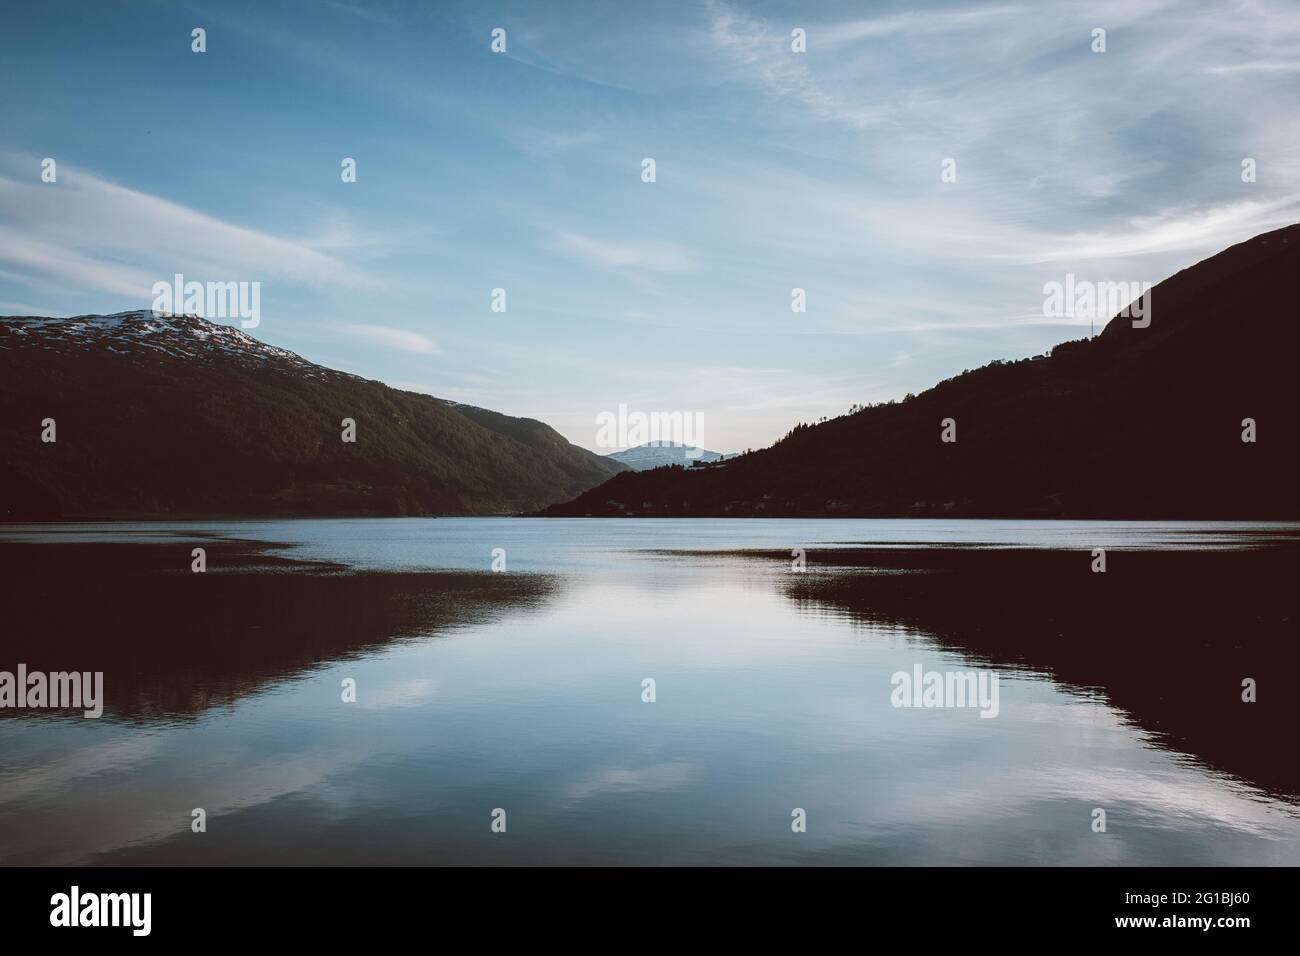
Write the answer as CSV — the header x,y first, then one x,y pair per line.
x,y
522,171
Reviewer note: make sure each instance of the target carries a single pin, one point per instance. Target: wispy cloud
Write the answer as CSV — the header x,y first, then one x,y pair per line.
x,y
46,260
763,53
536,141
365,12
1176,230
393,338
117,239
915,23
652,256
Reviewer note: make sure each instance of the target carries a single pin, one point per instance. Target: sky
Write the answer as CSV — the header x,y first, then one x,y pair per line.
x,y
522,170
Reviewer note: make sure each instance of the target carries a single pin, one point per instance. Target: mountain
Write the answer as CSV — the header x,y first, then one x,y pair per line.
x,y
173,415
656,454
1135,423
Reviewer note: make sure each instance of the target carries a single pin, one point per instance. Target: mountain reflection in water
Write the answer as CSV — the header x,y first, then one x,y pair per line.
x,y
524,691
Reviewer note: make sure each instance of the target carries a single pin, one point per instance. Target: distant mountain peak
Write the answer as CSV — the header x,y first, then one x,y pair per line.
x,y
1152,419
656,454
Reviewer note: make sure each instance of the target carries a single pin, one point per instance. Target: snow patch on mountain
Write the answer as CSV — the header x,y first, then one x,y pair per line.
x,y
656,454
143,333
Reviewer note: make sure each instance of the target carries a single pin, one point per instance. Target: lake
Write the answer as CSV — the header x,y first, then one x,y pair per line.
x,y
654,692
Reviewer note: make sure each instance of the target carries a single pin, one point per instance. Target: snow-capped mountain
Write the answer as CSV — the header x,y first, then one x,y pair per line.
x,y
656,454
144,333
157,414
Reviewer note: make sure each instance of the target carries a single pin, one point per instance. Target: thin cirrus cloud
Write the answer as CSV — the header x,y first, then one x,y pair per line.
x,y
1274,66
1099,164
392,338
45,263
757,51
1173,231
112,238
651,256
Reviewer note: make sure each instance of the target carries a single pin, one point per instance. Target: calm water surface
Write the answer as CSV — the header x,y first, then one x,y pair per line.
x,y
523,691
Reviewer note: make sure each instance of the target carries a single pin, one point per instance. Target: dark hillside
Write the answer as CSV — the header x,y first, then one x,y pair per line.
x,y
162,415
1136,423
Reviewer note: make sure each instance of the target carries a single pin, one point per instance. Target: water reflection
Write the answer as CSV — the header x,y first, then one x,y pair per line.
x,y
1166,636
524,691
172,643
